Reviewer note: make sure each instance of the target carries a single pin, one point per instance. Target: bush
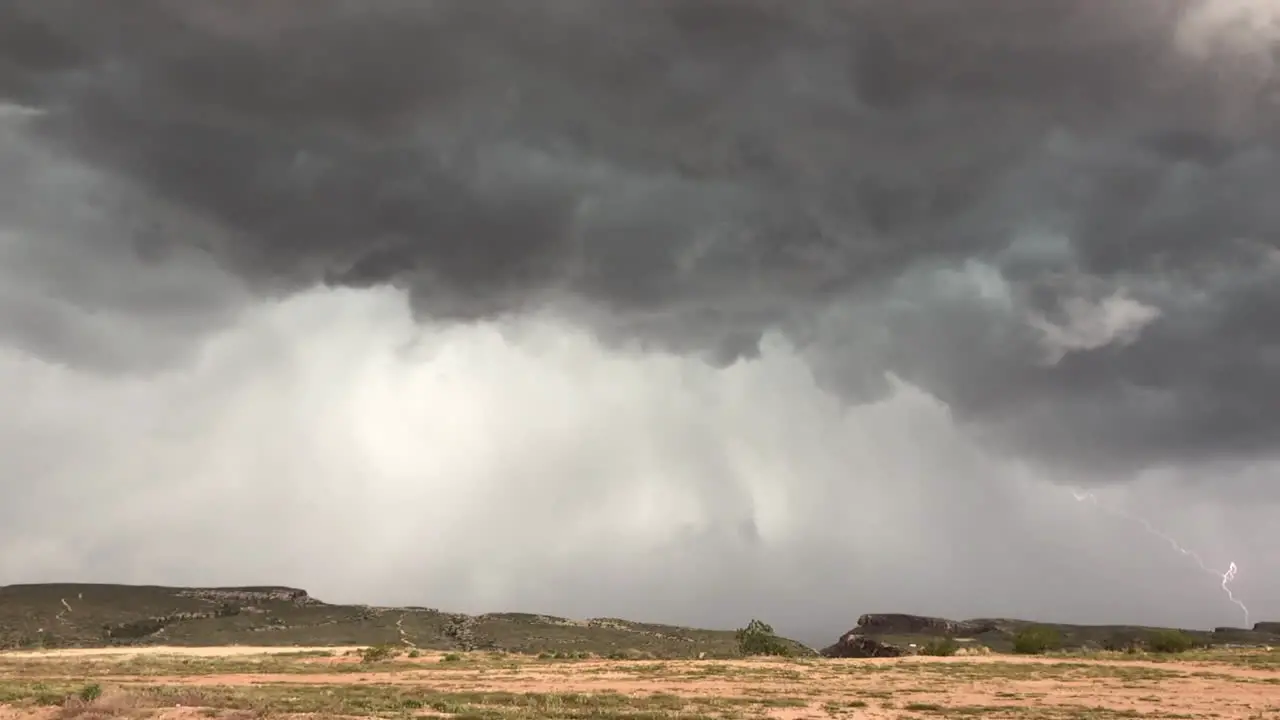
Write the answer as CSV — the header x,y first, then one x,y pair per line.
x,y
571,655
378,653
940,647
1170,641
89,693
757,638
1036,640
1118,642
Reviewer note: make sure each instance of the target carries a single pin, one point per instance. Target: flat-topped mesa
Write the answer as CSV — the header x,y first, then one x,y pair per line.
x,y
903,624
1271,628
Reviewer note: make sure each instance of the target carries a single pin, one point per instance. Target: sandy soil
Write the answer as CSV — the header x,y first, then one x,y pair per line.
x,y
991,686
224,651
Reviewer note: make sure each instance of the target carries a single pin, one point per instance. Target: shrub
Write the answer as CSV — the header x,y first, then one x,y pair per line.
x,y
451,657
940,647
1036,639
1170,641
89,693
758,638
378,653
1116,642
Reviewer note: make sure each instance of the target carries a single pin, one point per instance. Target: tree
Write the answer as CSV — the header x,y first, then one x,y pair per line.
x,y
941,647
758,638
1035,640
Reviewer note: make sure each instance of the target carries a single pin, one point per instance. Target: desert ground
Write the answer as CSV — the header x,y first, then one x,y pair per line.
x,y
241,682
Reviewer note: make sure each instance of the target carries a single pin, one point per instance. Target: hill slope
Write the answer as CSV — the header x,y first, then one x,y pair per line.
x,y
84,615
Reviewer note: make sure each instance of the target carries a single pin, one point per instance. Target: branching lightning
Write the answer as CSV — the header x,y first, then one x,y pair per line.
x,y
1225,577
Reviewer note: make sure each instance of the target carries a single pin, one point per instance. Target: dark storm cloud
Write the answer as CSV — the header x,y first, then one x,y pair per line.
x,y
694,173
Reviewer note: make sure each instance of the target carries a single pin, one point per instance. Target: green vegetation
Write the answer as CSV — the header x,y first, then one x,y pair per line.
x,y
379,653
382,701
1121,642
503,686
1036,640
1170,641
758,638
940,647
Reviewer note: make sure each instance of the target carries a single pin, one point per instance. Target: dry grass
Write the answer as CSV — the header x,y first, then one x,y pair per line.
x,y
499,686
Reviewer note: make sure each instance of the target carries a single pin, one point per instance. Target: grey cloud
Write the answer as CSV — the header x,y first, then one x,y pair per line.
x,y
691,175
80,279
521,466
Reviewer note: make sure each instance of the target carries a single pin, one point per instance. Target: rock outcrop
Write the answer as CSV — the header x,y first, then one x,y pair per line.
x,y
853,645
867,639
250,595
902,624
461,629
136,629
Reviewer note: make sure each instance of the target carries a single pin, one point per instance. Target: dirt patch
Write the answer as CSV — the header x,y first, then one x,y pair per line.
x,y
478,683
152,650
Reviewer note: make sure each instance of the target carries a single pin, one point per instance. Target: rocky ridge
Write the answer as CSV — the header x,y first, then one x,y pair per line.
x,y
897,634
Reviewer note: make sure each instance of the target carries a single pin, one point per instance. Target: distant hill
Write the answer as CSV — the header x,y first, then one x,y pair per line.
x,y
85,615
891,634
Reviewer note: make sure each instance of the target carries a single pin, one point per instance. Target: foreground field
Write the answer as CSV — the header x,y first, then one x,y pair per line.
x,y
240,683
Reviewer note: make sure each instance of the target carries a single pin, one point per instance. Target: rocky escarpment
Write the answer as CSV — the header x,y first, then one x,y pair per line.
x,y
854,645
894,634
238,596
229,602
147,627
902,624
869,638
461,629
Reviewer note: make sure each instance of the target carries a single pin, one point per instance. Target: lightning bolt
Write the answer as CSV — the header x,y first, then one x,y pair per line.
x,y
1225,577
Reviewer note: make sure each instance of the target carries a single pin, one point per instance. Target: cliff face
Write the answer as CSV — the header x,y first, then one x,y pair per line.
x,y
853,645
901,624
1271,628
893,634
250,595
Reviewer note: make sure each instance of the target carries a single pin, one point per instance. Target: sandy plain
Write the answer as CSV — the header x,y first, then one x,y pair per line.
x,y
239,683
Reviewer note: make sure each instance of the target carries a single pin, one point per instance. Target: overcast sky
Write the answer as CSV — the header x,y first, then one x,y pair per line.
x,y
678,311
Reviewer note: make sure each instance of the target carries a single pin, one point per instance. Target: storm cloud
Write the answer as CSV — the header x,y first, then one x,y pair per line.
x,y
1052,223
